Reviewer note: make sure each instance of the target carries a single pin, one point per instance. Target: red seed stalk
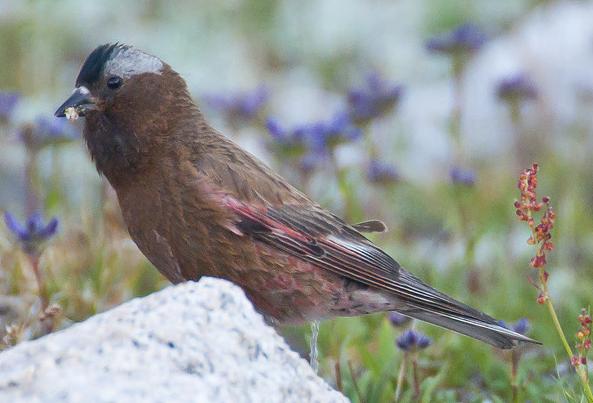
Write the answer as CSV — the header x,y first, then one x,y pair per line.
x,y
541,238
583,336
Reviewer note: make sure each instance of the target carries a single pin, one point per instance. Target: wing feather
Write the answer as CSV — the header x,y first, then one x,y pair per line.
x,y
318,237
324,240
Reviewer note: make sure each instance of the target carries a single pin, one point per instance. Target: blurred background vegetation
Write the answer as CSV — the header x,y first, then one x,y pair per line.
x,y
446,103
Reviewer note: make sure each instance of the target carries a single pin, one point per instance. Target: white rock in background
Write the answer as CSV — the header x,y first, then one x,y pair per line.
x,y
195,342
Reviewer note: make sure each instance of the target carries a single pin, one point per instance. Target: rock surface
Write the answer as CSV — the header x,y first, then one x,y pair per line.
x,y
195,342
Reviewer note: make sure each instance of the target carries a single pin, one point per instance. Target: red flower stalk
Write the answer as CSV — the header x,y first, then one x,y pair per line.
x,y
583,336
541,237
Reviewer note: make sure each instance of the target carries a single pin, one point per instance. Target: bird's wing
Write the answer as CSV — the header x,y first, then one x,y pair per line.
x,y
321,238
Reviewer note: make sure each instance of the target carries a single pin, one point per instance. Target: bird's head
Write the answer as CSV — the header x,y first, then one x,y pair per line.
x,y
130,101
119,79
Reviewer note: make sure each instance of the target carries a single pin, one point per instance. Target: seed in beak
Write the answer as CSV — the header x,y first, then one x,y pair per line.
x,y
71,113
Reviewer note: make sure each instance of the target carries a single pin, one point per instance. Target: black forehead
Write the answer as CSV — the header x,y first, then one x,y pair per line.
x,y
94,64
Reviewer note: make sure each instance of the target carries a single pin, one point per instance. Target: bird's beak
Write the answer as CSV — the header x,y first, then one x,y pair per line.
x,y
81,101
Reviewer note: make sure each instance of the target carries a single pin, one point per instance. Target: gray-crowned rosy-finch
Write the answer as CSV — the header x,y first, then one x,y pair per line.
x,y
196,204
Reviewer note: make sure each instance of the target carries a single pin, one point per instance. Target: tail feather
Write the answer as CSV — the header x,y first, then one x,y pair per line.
x,y
490,333
446,312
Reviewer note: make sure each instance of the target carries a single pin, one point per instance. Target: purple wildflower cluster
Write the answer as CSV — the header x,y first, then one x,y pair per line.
x,y
398,320
465,39
318,137
459,44
33,232
372,101
412,340
239,107
312,142
382,172
516,88
8,104
46,131
42,131
462,176
521,326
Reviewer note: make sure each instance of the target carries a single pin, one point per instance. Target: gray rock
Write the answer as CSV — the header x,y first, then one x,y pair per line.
x,y
195,342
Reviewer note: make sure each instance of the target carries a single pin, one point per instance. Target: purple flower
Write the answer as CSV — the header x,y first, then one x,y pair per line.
x,y
288,141
8,103
461,176
521,326
516,87
33,232
381,172
398,320
466,38
48,131
241,106
412,340
317,137
323,136
375,99
275,130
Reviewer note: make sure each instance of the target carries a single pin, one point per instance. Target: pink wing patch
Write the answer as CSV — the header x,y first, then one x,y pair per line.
x,y
325,241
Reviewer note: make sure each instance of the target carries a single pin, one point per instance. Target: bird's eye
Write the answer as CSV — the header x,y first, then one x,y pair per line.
x,y
114,82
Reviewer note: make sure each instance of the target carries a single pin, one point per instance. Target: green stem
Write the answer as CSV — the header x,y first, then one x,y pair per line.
x,y
514,380
31,182
581,369
455,123
400,377
42,290
351,210
338,376
355,384
559,330
47,324
416,378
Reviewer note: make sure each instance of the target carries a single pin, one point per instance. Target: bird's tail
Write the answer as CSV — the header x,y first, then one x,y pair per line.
x,y
437,308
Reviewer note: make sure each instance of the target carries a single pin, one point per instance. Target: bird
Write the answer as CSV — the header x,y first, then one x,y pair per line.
x,y
196,204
